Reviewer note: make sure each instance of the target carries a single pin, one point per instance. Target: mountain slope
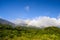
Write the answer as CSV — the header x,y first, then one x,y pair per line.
x,y
3,21
28,33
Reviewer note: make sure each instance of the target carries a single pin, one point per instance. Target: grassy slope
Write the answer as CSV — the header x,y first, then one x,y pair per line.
x,y
7,32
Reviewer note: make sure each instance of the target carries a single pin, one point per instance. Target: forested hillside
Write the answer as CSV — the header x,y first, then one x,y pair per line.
x,y
7,32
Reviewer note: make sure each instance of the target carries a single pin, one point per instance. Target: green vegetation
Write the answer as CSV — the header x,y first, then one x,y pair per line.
x,y
7,32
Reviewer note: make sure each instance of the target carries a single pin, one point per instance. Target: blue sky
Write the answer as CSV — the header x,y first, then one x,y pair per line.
x,y
12,9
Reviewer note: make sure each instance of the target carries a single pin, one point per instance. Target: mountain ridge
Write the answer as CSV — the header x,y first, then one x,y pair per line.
x,y
3,21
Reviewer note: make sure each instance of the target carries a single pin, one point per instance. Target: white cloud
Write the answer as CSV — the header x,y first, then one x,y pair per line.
x,y
27,8
42,21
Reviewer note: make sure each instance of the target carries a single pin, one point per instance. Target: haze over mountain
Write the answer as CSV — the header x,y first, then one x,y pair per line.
x,y
37,22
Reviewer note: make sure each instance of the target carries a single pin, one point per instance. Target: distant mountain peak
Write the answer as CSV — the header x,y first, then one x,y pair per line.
x,y
3,21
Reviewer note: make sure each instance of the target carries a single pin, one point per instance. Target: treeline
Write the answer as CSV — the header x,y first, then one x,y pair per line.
x,y
8,32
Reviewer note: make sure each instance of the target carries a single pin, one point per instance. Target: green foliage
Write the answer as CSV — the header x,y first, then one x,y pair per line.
x,y
7,32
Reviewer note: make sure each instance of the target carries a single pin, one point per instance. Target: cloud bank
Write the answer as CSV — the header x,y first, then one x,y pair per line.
x,y
41,21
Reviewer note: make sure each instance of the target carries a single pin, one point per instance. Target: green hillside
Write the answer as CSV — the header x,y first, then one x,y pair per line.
x,y
7,32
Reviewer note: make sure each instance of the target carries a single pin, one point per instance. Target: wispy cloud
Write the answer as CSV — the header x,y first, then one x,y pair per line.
x,y
58,15
41,21
27,8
